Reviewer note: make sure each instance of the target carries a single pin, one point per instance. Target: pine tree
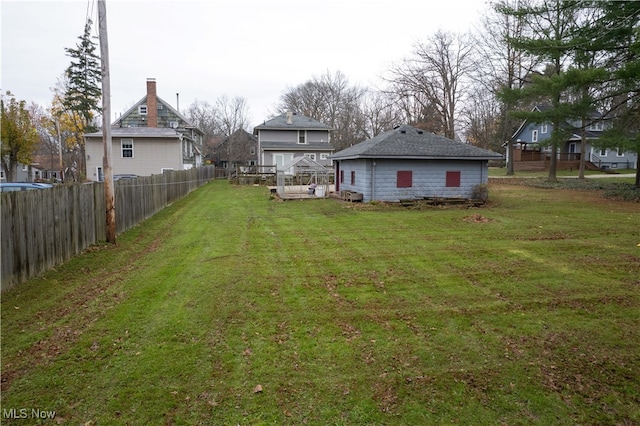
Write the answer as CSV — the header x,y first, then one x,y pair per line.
x,y
82,89
549,39
592,53
82,93
618,36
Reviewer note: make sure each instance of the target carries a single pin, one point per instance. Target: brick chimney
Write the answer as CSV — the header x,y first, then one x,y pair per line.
x,y
152,103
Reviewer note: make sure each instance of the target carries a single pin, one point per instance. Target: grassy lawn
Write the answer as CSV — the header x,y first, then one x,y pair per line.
x,y
502,171
231,308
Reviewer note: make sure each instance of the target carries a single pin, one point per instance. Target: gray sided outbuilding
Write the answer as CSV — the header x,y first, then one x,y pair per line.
x,y
409,163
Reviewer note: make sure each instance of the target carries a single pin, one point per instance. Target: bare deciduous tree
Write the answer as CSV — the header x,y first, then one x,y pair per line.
x,y
498,64
379,113
433,77
329,99
233,114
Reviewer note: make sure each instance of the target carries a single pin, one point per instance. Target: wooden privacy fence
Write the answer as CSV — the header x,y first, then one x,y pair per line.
x,y
44,228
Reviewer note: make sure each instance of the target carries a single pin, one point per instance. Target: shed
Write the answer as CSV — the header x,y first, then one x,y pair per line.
x,y
409,163
303,176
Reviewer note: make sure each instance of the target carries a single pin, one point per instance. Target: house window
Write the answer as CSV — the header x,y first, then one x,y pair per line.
x,y
453,180
603,152
301,136
341,176
142,110
252,150
544,128
620,152
324,156
353,177
25,168
1,174
127,148
312,156
597,126
404,179
534,136
99,174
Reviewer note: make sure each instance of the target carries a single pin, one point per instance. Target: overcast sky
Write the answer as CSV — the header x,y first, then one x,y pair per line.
x,y
255,49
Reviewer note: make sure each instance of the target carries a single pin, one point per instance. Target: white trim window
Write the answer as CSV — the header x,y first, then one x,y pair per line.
x,y
142,109
310,155
302,137
534,136
603,152
619,152
596,126
126,148
324,156
544,128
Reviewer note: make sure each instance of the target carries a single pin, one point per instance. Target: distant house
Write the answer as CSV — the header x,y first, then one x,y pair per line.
x,y
531,153
150,138
409,163
238,150
42,167
291,135
46,167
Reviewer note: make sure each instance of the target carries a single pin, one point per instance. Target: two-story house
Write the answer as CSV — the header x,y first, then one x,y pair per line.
x,y
532,152
150,138
291,135
240,149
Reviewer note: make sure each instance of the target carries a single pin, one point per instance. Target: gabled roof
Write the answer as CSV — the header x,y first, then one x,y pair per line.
x,y
406,142
298,122
139,132
241,133
143,101
595,115
304,163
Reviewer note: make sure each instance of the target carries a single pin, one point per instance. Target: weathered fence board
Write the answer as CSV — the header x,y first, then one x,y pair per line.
x,y
44,228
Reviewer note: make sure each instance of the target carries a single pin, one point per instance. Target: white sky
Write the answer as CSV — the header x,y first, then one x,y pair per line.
x,y
203,49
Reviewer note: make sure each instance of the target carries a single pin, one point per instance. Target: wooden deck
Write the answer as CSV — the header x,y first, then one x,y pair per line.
x,y
300,192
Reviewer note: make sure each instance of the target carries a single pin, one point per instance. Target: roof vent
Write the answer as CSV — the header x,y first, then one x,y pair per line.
x,y
403,131
420,132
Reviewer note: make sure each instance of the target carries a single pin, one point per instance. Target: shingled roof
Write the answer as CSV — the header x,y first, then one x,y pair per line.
x,y
138,132
297,121
406,142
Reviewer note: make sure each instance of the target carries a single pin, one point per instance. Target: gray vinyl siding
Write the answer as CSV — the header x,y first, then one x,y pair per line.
x,y
285,136
379,181
315,136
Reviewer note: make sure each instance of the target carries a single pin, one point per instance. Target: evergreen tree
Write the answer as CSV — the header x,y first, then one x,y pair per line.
x,y
551,25
592,52
82,89
618,35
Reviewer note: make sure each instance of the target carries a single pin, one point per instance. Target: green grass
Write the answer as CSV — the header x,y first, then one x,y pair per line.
x,y
521,312
502,171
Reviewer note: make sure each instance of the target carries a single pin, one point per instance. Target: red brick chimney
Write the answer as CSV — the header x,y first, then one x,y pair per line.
x,y
152,103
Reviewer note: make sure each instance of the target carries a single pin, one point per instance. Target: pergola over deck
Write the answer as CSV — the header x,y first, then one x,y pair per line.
x,y
295,178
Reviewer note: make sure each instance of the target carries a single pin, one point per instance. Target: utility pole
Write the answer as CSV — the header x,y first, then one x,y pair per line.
x,y
109,197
